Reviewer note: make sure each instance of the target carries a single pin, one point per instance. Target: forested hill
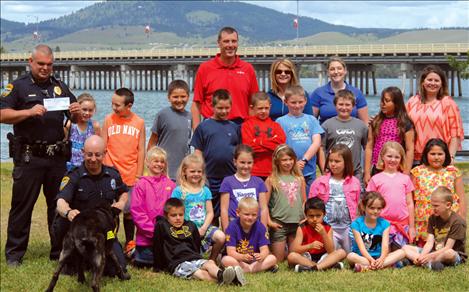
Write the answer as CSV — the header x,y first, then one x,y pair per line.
x,y
192,19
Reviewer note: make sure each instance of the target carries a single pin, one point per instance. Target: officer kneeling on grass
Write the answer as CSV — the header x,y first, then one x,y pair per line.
x,y
36,104
82,187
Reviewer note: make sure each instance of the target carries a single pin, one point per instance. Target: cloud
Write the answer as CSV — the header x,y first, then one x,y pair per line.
x,y
30,11
382,14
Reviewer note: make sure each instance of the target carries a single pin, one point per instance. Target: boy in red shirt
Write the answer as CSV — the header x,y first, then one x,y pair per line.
x,y
313,248
124,134
262,134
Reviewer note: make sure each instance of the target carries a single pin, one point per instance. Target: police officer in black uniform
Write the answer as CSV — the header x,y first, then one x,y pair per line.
x,y
37,147
84,186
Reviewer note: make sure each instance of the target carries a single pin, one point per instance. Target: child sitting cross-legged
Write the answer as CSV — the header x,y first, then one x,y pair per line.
x,y
176,249
313,246
446,239
247,241
370,248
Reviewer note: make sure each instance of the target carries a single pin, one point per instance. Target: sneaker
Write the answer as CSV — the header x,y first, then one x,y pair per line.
x,y
437,266
228,276
338,266
240,276
301,268
129,249
360,268
274,269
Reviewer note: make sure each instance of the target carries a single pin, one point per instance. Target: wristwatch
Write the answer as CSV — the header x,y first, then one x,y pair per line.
x,y
66,213
304,160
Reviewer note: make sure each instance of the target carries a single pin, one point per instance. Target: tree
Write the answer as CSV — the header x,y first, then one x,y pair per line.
x,y
2,50
461,66
57,49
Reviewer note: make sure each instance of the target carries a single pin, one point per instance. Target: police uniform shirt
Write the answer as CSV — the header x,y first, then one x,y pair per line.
x,y
24,93
81,189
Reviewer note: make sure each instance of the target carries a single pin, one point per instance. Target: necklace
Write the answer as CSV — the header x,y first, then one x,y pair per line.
x,y
243,182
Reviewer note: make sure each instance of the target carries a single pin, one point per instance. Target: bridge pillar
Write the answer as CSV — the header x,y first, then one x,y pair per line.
x,y
123,72
74,73
459,83
405,69
166,82
322,75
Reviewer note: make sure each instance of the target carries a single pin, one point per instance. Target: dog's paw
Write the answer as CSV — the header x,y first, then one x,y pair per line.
x,y
125,277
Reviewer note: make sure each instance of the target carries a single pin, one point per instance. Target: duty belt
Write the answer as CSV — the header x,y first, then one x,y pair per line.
x,y
42,149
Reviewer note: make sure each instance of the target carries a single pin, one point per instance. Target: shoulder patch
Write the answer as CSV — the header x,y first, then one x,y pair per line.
x,y
64,182
7,90
113,184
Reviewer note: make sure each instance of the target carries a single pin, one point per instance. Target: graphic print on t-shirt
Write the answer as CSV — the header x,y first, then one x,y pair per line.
x,y
346,137
196,212
371,241
244,193
440,236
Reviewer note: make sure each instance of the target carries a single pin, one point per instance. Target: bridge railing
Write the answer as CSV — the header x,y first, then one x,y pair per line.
x,y
368,49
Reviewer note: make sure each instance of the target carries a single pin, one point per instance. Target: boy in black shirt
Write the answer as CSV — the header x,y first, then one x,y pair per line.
x,y
176,249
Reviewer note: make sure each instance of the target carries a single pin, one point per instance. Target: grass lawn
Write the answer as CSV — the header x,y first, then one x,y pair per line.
x,y
36,271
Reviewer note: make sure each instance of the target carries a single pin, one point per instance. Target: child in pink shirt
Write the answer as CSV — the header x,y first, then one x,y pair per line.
x,y
148,198
340,191
396,188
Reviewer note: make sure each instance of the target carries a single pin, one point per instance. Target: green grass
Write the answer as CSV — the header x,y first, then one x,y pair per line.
x,y
36,271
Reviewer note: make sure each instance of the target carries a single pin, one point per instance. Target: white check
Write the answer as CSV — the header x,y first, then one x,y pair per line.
x,y
57,104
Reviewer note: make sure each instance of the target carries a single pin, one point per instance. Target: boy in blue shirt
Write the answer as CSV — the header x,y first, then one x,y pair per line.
x,y
303,132
215,140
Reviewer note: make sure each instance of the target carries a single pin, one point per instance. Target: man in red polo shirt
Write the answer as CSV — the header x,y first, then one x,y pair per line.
x,y
225,71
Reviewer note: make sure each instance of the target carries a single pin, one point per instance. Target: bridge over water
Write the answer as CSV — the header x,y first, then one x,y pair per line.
x,y
154,69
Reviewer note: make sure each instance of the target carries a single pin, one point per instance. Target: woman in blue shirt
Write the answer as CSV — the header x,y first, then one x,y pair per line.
x,y
283,74
322,98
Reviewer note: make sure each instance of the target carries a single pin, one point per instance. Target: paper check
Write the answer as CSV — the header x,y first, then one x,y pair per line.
x,y
57,104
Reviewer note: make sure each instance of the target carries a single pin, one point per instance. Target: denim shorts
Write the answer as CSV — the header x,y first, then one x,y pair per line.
x,y
187,269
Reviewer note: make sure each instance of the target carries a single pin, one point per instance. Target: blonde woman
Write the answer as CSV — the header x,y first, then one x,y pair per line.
x,y
283,74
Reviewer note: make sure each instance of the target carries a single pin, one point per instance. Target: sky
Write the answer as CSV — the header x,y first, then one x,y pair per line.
x,y
379,14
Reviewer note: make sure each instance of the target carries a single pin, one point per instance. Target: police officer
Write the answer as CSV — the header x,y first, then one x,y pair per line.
x,y
85,185
37,147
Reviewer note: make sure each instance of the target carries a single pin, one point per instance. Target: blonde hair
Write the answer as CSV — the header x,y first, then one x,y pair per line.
x,y
248,203
294,90
273,81
444,193
156,152
85,96
396,146
336,59
190,159
281,150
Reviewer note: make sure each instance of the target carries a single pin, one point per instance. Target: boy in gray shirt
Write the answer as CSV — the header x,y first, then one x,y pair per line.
x,y
345,129
172,128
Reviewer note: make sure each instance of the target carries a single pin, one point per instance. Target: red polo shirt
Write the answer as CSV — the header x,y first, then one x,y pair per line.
x,y
239,79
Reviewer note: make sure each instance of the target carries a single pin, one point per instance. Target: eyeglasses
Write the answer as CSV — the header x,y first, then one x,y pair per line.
x,y
91,154
286,72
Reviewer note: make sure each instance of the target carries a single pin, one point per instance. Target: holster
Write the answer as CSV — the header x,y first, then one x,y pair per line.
x,y
15,146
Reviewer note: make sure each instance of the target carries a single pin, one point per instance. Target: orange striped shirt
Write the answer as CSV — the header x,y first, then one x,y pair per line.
x,y
438,119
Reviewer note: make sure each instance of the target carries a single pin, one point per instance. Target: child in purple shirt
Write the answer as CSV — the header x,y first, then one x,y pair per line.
x,y
241,185
247,241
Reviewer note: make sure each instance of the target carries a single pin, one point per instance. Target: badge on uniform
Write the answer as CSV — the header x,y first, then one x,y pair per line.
x,y
7,90
57,90
113,184
64,182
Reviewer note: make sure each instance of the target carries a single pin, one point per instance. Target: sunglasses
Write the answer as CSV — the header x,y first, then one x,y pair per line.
x,y
287,72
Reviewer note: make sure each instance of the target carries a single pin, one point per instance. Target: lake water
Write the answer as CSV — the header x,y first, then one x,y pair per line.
x,y
148,103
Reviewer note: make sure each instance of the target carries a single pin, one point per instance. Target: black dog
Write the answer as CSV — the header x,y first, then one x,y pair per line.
x,y
90,241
